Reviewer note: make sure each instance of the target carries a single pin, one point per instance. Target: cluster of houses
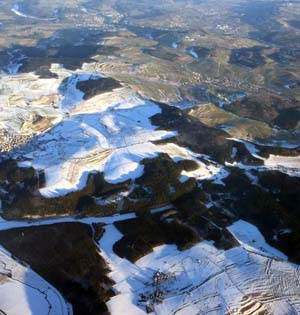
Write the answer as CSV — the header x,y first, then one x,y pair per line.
x,y
158,294
8,141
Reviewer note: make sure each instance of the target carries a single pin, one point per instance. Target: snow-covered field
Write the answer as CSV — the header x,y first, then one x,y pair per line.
x,y
289,165
249,237
114,140
23,292
110,133
286,164
11,224
249,279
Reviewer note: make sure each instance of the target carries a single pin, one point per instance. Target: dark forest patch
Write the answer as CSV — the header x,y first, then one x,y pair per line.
x,y
66,256
248,57
260,14
142,234
194,134
71,56
286,55
163,37
94,87
70,47
161,54
288,119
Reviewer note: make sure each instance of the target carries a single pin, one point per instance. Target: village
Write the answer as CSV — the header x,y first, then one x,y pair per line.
x,y
158,292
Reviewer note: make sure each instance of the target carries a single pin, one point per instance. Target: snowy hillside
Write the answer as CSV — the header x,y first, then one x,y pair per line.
x,y
249,279
110,132
23,292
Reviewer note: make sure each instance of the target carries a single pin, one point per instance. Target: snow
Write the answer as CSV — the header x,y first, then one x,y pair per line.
x,y
250,147
15,61
119,275
16,9
11,224
252,277
249,237
110,132
193,53
71,95
234,152
174,45
23,292
289,165
113,141
286,164
209,171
